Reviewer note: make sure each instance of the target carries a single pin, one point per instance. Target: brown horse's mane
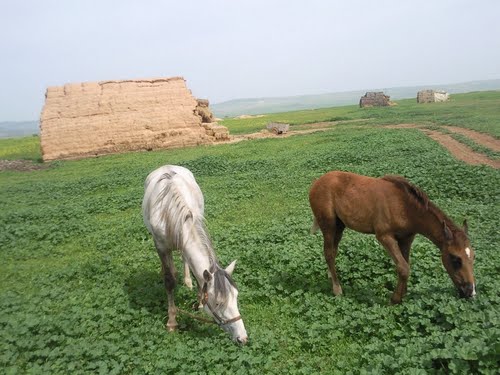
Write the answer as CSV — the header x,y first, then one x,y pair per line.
x,y
421,199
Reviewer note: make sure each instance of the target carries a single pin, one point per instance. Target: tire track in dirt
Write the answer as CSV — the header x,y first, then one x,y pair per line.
x,y
459,150
480,138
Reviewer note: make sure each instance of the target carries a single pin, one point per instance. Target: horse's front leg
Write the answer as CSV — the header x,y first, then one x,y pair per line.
x,y
187,276
402,268
167,264
405,246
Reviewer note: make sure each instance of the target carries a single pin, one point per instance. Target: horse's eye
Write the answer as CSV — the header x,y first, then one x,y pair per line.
x,y
456,262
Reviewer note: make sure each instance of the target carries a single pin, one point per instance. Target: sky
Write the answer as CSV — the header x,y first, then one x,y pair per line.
x,y
230,49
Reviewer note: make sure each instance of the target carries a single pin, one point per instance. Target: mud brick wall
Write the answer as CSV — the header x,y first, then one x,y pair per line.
x,y
95,118
432,96
371,99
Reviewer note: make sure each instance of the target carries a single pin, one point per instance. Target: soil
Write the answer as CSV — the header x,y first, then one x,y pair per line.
x,y
459,150
480,138
21,165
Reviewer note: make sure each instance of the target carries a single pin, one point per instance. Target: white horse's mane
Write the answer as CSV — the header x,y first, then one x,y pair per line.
x,y
175,212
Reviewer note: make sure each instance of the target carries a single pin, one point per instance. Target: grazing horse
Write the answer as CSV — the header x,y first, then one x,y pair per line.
x,y
395,211
173,210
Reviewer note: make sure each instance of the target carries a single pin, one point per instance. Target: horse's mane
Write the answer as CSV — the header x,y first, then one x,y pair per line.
x,y
175,213
420,198
411,190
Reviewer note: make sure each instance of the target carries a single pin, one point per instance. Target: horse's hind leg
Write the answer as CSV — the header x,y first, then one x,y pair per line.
x,y
168,268
332,234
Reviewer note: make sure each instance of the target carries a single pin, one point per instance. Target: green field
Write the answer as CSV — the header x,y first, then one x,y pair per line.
x,y
479,111
80,283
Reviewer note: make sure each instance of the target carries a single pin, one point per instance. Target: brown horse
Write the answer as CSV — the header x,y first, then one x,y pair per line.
x,y
395,211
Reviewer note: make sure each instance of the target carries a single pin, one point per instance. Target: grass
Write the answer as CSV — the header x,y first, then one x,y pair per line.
x,y
80,285
27,148
477,111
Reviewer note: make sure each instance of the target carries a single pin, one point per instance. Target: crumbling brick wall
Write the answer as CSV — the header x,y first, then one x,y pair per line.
x,y
95,118
432,96
374,99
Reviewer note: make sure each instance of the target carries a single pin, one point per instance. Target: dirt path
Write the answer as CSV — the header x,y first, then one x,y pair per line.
x,y
480,138
459,150
20,165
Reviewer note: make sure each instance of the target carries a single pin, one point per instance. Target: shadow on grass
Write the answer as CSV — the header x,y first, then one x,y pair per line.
x,y
145,290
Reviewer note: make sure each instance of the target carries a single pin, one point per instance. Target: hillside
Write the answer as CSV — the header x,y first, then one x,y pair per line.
x,y
12,129
253,106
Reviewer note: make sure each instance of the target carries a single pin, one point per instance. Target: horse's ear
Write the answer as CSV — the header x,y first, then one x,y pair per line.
x,y
207,276
466,227
447,232
229,269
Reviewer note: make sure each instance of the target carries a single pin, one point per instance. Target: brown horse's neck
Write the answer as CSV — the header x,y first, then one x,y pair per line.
x,y
430,224
429,220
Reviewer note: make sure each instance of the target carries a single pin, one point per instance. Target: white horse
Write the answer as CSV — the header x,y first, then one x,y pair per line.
x,y
173,209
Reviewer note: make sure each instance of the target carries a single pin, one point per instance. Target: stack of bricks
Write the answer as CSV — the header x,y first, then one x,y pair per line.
x,y
88,119
218,132
278,127
432,96
374,99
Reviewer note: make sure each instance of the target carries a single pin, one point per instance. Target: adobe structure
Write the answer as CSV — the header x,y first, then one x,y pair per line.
x,y
374,99
432,96
95,118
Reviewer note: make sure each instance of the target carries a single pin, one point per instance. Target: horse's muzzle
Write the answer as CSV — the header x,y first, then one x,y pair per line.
x,y
242,340
467,290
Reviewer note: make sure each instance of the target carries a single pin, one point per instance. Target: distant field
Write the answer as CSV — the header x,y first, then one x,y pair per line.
x,y
479,111
252,106
80,284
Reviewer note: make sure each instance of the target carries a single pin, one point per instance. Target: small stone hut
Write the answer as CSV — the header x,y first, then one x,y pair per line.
x,y
374,99
432,96
95,118
278,127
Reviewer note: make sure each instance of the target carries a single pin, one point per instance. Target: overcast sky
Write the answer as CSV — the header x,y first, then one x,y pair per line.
x,y
229,49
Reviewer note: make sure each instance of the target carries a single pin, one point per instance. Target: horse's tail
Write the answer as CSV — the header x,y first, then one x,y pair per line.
x,y
315,226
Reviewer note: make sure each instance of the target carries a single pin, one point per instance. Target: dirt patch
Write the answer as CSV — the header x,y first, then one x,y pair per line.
x,y
269,134
248,116
21,165
307,129
480,138
458,149
461,151
403,126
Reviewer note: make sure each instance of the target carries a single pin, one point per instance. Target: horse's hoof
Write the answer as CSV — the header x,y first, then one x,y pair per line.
x,y
337,291
171,327
395,301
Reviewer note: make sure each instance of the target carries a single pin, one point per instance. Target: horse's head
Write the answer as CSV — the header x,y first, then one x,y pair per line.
x,y
458,259
220,299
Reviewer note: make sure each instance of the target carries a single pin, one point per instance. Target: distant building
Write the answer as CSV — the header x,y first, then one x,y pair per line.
x,y
432,96
374,99
278,127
